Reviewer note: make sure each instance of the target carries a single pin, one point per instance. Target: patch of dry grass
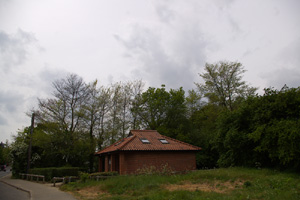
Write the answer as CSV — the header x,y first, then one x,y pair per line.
x,y
90,193
217,186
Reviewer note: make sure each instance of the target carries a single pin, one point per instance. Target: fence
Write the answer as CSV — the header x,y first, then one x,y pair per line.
x,y
31,177
64,180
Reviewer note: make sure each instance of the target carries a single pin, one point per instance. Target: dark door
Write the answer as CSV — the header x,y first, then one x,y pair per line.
x,y
102,164
117,162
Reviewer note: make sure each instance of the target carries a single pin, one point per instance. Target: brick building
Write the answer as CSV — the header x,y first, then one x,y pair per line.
x,y
145,148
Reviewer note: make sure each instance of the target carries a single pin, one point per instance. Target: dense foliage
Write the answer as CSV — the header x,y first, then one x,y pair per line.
x,y
223,116
263,130
5,153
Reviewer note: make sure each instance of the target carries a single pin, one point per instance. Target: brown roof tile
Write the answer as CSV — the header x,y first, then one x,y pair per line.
x,y
133,143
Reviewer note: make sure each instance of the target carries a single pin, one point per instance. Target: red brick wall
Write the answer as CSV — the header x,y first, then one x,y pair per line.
x,y
177,161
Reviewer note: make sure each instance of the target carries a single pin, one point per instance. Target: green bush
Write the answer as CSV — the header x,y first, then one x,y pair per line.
x,y
51,172
105,174
84,176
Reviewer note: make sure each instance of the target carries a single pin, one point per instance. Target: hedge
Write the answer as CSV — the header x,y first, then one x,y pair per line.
x,y
51,172
105,174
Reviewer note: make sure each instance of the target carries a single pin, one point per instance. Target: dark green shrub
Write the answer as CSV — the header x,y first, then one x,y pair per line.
x,y
247,184
51,172
105,174
84,176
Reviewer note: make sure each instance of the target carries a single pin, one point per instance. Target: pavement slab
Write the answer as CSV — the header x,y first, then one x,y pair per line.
x,y
38,191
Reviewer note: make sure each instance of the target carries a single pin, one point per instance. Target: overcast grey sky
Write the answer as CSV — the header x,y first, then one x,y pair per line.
x,y
161,42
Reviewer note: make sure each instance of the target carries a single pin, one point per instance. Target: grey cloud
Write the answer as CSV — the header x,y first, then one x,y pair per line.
x,y
176,64
281,77
14,48
223,4
49,75
46,77
4,3
143,45
3,120
289,73
10,101
290,55
164,13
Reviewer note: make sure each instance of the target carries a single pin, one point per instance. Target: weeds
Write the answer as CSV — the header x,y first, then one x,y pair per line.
x,y
152,170
84,176
247,184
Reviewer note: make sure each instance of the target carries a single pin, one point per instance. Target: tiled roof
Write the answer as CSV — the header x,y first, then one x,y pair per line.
x,y
133,142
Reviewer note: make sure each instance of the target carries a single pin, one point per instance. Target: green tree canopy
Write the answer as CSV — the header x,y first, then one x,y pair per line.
x,y
162,110
223,83
264,130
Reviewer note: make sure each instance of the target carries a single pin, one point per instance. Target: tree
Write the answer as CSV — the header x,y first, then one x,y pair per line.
x,y
114,121
163,111
126,99
193,101
203,130
153,108
19,152
137,89
70,94
276,126
123,102
264,130
64,112
104,100
223,84
176,116
91,113
81,118
5,153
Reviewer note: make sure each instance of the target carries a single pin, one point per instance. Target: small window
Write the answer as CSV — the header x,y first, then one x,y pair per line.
x,y
164,141
145,141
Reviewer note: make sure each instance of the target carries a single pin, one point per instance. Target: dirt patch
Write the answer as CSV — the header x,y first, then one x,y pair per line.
x,y
91,193
217,186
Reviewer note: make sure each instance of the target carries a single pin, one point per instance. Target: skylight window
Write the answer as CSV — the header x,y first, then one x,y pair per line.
x,y
164,141
145,141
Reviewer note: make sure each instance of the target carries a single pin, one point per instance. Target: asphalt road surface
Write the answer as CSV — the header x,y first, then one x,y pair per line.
x,y
11,193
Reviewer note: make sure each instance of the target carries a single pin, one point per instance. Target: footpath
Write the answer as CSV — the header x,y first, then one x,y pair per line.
x,y
37,191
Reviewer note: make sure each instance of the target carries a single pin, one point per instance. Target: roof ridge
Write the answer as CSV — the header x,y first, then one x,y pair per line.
x,y
143,130
181,142
125,143
119,146
108,146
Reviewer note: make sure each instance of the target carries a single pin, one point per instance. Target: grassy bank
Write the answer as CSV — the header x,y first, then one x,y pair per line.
x,y
231,183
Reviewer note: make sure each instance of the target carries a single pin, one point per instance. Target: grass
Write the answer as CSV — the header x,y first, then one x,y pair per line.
x,y
230,183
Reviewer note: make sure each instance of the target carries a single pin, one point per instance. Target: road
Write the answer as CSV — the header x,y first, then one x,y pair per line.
x,y
11,193
2,173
